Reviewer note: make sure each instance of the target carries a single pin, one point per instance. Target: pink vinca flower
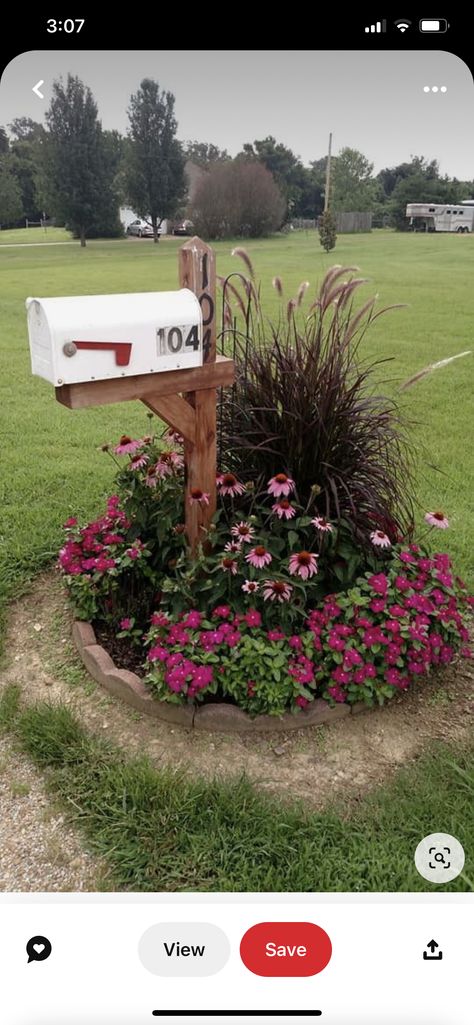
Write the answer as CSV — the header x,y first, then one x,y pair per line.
x,y
303,564
322,524
380,540
243,531
126,447
437,519
276,590
259,557
280,485
198,497
250,586
229,485
284,509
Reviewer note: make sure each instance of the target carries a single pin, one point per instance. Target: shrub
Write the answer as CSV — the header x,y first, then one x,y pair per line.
x,y
237,198
304,403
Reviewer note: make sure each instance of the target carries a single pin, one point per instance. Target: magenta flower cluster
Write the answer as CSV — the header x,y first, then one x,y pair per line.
x,y
100,561
392,630
94,548
412,618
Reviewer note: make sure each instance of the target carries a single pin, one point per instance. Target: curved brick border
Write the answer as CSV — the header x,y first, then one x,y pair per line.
x,y
213,717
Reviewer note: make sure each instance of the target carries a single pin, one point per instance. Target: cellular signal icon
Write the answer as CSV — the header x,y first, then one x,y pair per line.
x,y
380,26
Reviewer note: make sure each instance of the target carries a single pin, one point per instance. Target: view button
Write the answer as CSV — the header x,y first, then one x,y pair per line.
x,y
285,948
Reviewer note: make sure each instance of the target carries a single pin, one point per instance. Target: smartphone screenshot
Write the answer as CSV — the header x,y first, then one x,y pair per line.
x,y
236,574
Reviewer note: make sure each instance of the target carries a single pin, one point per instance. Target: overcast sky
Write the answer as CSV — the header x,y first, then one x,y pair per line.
x,y
372,101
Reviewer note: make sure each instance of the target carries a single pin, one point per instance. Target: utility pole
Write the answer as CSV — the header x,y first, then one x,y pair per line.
x,y
328,175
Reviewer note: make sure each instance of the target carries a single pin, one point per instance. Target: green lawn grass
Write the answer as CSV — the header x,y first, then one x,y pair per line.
x,y
51,466
159,832
33,236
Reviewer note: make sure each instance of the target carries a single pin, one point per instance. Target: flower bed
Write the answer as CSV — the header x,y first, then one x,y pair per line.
x,y
271,644
308,587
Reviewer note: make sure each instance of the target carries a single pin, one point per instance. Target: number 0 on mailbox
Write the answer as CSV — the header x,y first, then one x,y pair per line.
x,y
96,337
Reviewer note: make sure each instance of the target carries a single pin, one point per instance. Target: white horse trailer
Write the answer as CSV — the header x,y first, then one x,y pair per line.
x,y
457,217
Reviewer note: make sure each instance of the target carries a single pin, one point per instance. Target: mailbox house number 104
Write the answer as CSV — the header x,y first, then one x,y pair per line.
x,y
177,339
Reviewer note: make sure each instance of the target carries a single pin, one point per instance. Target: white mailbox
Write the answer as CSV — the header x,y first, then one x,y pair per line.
x,y
95,337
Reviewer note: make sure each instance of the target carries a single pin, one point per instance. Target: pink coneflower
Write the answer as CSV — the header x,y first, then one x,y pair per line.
x,y
126,446
304,564
233,546
259,557
151,480
437,519
284,509
229,565
380,540
229,485
276,590
168,462
243,531
198,497
322,524
138,461
250,586
280,485
174,438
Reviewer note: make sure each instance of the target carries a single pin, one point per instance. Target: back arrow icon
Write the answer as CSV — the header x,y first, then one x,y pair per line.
x,y
36,88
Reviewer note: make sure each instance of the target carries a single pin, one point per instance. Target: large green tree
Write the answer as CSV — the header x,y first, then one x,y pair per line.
x,y
26,151
10,194
4,143
204,153
295,181
352,184
154,162
78,182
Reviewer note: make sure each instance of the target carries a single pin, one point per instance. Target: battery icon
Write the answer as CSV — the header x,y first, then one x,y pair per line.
x,y
433,25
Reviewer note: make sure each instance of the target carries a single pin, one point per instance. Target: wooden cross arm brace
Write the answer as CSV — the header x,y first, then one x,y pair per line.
x,y
176,412
147,387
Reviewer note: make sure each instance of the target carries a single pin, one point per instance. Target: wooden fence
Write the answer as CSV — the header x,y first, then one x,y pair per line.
x,y
345,222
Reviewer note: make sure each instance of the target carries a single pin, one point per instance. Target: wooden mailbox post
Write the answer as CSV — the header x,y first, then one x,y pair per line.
x,y
185,399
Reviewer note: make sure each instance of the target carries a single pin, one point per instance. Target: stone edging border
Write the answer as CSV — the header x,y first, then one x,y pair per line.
x,y
213,717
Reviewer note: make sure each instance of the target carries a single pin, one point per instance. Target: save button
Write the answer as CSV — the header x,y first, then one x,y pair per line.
x,y
285,948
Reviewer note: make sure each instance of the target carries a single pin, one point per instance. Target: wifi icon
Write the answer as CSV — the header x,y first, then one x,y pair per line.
x,y
402,24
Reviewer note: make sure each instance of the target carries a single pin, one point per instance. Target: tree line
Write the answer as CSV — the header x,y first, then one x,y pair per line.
x,y
79,173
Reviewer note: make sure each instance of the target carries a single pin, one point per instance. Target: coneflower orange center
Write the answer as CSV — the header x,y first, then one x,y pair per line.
x,y
278,587
229,480
260,550
196,492
227,563
284,504
438,515
304,558
125,440
281,478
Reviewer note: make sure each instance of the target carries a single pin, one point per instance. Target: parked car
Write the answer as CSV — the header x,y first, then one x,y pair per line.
x,y
141,228
183,228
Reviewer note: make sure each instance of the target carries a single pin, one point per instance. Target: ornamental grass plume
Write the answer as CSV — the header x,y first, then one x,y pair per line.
x,y
304,404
